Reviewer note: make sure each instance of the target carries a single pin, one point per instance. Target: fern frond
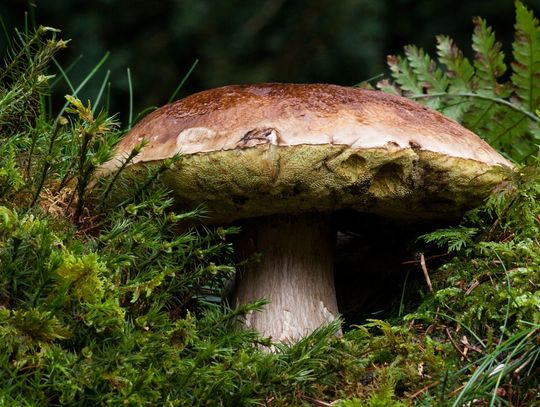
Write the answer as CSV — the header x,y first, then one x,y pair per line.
x,y
429,75
453,238
389,87
460,73
404,75
526,52
488,59
477,94
459,67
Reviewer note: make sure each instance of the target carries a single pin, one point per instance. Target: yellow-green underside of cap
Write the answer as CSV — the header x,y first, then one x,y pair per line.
x,y
402,184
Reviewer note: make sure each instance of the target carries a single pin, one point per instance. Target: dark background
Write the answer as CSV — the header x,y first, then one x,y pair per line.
x,y
241,41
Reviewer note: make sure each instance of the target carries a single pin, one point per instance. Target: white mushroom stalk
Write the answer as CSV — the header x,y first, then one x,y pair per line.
x,y
295,273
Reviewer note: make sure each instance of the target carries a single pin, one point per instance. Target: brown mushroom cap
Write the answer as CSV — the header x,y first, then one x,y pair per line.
x,y
256,150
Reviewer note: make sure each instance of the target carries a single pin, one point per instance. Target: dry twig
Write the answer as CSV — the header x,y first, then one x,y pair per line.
x,y
455,345
317,403
426,274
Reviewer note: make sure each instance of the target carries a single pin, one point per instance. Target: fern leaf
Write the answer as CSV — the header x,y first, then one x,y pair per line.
x,y
430,77
487,117
526,51
404,75
515,138
478,93
453,238
489,59
389,87
460,70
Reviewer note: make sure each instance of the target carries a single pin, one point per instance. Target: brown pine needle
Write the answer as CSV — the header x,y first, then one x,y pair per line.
x,y
424,389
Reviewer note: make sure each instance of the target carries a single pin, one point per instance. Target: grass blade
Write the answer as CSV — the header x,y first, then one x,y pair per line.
x,y
184,79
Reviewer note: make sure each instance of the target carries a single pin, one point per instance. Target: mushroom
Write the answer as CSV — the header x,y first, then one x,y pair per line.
x,y
284,157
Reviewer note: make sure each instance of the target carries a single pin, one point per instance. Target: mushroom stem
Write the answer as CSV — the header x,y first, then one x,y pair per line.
x,y
295,273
